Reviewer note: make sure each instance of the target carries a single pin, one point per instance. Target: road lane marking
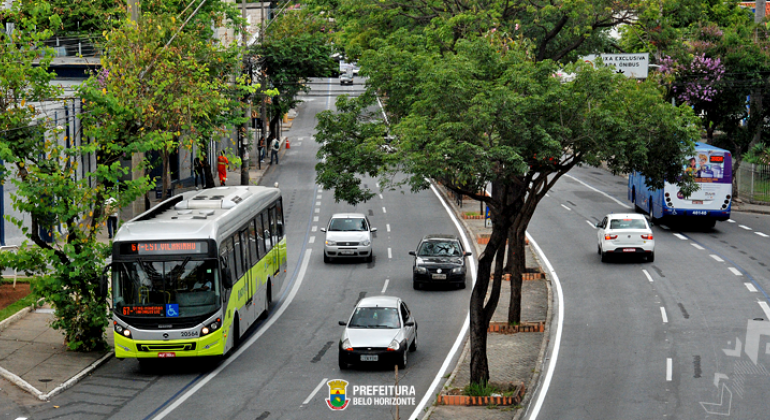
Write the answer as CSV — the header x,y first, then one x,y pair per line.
x,y
390,254
314,228
663,314
315,391
315,218
383,210
761,234
765,308
680,236
387,227
317,210
568,209
731,220
669,369
735,271
245,346
318,197
547,195
716,257
696,246
311,240
600,192
664,227
648,275
751,287
744,227
380,196
591,224
317,203
385,287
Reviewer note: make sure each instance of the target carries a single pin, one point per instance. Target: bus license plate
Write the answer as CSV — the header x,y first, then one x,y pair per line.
x,y
439,277
166,355
697,202
629,249
369,357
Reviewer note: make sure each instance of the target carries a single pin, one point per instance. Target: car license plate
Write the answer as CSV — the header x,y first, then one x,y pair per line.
x,y
697,202
369,357
629,249
439,277
346,252
166,355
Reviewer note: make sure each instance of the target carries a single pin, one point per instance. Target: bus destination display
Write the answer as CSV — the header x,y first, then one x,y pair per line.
x,y
155,310
716,159
161,248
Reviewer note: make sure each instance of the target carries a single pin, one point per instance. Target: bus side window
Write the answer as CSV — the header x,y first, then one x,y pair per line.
x,y
266,229
279,219
238,256
274,225
252,240
226,251
260,236
248,261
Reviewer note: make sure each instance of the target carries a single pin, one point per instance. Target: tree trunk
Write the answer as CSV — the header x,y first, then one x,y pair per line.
x,y
517,261
165,181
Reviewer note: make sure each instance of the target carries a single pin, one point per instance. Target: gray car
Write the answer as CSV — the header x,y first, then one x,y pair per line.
x,y
346,79
348,235
381,329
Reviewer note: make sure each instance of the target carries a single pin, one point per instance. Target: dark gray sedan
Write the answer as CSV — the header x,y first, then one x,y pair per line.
x,y
439,260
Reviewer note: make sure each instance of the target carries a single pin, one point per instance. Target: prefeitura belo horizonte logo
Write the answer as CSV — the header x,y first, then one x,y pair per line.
x,y
337,400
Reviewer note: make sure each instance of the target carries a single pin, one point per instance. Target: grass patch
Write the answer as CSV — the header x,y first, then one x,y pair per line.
x,y
471,213
17,306
5,280
488,389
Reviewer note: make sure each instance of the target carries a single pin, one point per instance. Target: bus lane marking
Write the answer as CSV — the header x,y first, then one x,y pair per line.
x,y
680,236
648,275
735,271
669,369
761,234
315,218
311,240
744,227
765,308
568,209
385,287
390,254
317,203
716,257
314,228
663,314
315,391
751,287
730,221
664,227
387,227
383,210
696,246
380,196
591,224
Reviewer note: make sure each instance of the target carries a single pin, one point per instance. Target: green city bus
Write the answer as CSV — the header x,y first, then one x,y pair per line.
x,y
192,274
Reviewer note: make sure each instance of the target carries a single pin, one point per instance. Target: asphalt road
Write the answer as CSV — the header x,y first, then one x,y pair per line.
x,y
680,338
281,368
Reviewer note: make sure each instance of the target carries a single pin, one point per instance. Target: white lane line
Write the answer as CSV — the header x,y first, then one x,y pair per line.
x,y
317,203
315,218
430,394
744,227
318,197
568,209
591,224
385,287
317,210
761,234
696,246
680,236
245,346
557,338
731,220
383,210
664,227
387,227
380,196
648,275
663,314
547,195
716,257
601,192
669,369
314,228
735,271
311,240
765,308
315,391
751,287
390,254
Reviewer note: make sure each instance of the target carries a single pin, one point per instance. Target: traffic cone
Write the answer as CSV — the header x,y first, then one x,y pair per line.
x,y
288,146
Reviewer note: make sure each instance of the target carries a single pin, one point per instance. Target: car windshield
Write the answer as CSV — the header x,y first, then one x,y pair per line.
x,y
348,225
181,288
439,249
375,318
627,224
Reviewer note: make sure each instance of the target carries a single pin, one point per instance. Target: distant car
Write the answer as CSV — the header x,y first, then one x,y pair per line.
x,y
439,260
625,234
380,330
348,235
346,79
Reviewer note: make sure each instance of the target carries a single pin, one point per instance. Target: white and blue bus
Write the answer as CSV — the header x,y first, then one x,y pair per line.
x,y
712,168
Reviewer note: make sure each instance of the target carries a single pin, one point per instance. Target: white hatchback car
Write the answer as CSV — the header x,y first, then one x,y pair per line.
x,y
625,234
348,235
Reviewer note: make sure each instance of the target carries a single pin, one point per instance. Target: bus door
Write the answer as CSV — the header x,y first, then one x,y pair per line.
x,y
247,264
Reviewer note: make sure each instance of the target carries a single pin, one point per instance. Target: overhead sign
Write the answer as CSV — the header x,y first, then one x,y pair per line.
x,y
631,65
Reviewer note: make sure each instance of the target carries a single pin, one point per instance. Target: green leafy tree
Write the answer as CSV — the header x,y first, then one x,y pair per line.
x,y
471,95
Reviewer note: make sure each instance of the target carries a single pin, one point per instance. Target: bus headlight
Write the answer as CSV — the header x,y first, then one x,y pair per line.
x,y
208,329
127,333
118,329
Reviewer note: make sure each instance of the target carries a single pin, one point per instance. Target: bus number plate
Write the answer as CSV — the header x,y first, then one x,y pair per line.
x,y
166,355
697,202
369,357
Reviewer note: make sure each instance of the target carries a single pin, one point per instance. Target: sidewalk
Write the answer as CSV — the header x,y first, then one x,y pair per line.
x,y
33,355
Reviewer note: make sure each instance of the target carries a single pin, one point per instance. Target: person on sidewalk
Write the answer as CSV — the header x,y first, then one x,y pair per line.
x,y
222,163
261,146
198,170
275,146
111,207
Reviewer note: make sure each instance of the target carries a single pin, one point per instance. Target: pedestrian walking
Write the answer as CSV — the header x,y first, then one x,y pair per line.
x,y
222,163
275,146
111,207
261,146
198,170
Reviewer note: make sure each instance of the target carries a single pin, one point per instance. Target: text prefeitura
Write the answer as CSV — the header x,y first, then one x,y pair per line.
x,y
383,390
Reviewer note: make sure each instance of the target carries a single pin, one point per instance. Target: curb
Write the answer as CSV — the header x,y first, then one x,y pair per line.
x,y
503,327
15,317
524,276
482,401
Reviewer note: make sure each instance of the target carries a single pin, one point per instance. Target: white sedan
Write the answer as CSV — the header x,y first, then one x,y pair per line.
x,y
625,233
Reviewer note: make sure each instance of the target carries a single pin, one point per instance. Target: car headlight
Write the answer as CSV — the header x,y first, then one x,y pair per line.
x,y
420,270
366,242
457,270
346,345
331,243
394,345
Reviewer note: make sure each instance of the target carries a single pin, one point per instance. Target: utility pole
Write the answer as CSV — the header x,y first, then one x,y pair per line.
x,y
243,132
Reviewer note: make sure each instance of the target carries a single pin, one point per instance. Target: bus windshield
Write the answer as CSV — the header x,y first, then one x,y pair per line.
x,y
180,288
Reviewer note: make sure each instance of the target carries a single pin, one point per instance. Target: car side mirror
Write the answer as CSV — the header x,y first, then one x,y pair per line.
x,y
409,323
373,229
343,323
467,254
412,253
322,229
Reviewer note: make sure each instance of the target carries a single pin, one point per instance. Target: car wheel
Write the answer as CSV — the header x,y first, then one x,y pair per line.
x,y
403,362
416,286
413,347
598,249
343,365
327,260
651,257
236,332
461,285
605,257
370,258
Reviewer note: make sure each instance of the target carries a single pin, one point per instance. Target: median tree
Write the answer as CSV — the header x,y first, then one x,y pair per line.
x,y
474,103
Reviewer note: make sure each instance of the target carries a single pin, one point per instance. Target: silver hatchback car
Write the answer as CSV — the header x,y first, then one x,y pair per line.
x,y
348,235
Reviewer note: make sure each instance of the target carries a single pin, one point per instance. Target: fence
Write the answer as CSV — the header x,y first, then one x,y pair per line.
x,y
753,183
